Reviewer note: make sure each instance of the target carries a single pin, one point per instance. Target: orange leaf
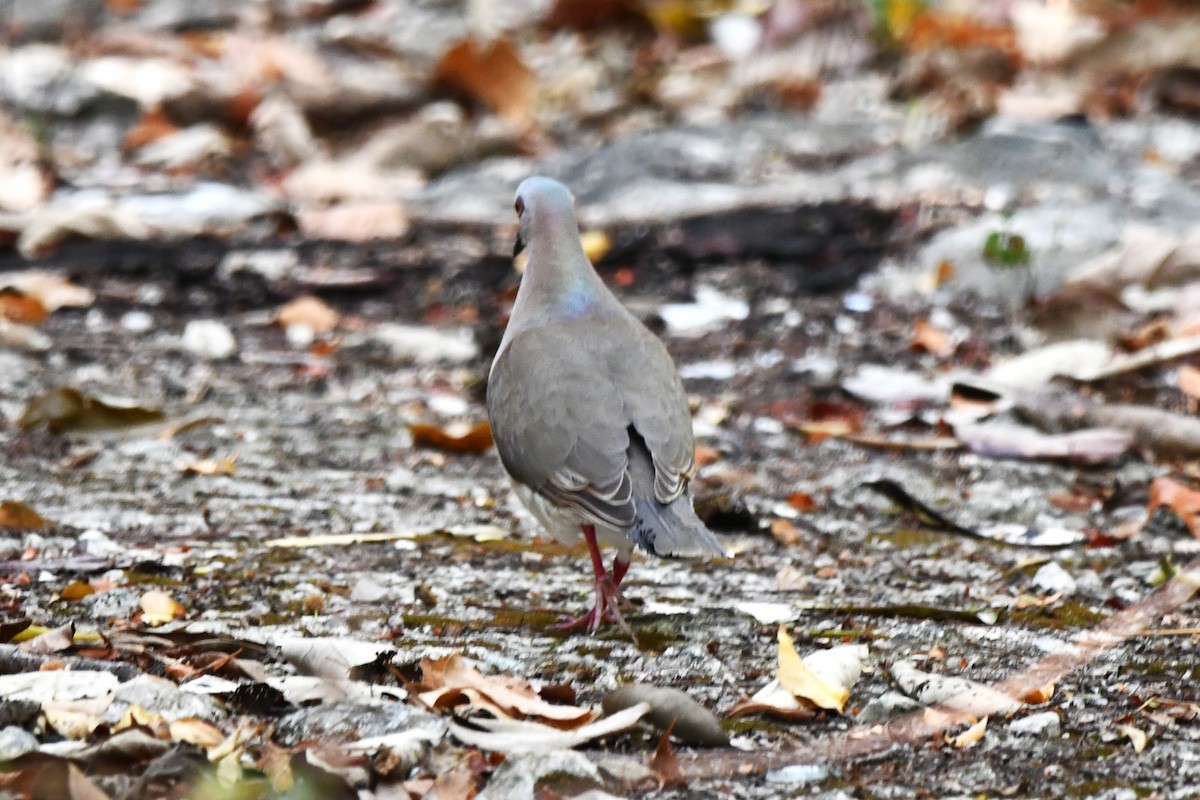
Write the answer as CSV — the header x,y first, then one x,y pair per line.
x,y
1183,500
802,501
1037,695
1189,381
159,607
457,437
497,77
15,514
785,532
310,311
17,306
76,591
926,336
152,126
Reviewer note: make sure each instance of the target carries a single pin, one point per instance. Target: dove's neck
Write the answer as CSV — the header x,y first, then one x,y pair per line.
x,y
559,281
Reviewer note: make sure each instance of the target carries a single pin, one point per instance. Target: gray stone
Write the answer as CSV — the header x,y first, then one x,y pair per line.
x,y
353,721
113,604
886,706
517,777
1045,724
161,697
16,742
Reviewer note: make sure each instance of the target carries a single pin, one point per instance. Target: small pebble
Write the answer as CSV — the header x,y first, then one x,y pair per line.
x,y
209,339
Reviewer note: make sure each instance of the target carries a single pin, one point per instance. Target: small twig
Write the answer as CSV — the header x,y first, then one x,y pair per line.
x,y
1160,353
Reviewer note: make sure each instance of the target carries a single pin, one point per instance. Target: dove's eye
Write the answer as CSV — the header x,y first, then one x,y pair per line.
x,y
520,206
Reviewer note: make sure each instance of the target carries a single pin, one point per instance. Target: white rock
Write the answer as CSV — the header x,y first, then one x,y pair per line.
x,y
137,321
426,345
96,543
1053,578
209,339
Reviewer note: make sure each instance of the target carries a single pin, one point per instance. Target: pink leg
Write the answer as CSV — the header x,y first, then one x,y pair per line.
x,y
619,569
608,595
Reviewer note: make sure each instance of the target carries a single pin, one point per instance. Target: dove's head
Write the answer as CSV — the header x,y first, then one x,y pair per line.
x,y
546,210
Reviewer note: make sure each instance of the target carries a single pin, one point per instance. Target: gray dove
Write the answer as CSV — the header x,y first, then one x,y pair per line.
x,y
587,409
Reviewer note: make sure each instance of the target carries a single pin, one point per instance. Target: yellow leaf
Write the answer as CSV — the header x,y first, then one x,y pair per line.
x,y
136,715
159,607
210,466
797,678
970,736
199,732
1137,737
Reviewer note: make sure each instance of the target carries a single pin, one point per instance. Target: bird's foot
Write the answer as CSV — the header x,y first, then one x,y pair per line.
x,y
609,600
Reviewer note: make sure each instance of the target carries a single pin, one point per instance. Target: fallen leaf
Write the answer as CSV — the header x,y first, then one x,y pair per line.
x,y
1182,500
76,590
49,288
960,694
69,410
150,127
355,221
1037,695
799,679
199,732
785,532
802,501
18,307
451,682
527,736
596,244
55,640
665,763
970,736
15,514
932,339
210,466
496,76
158,607
1188,381
310,311
1137,737
457,437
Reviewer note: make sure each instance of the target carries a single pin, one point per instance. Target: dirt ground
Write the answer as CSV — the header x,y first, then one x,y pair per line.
x,y
324,448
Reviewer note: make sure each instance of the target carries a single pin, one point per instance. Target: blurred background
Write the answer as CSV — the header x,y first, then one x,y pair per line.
x,y
339,120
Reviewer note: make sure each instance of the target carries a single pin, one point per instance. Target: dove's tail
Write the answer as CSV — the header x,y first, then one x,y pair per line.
x,y
672,529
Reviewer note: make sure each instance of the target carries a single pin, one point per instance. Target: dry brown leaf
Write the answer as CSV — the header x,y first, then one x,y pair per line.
x,y
970,736
210,466
1183,500
665,763
1189,381
932,339
450,682
158,607
355,221
1036,695
802,501
55,640
460,782
310,311
77,590
15,514
67,409
199,732
16,306
457,437
50,289
785,532
152,126
496,76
